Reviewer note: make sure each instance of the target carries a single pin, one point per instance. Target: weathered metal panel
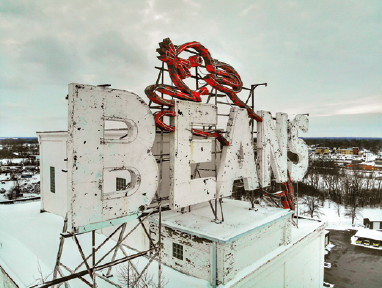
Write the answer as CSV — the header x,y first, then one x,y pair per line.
x,y
184,151
272,147
238,159
95,161
201,151
298,146
197,252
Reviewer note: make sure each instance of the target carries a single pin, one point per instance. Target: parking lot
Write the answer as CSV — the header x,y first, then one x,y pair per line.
x,y
352,266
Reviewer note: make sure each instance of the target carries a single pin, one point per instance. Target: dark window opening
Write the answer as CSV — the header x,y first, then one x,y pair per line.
x,y
120,184
177,251
52,180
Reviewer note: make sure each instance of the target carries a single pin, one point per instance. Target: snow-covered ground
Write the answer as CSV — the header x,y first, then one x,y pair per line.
x,y
342,222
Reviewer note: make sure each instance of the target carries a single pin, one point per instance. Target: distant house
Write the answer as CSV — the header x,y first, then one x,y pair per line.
x,y
373,223
322,150
347,151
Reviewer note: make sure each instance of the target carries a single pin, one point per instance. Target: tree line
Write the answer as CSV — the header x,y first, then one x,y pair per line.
x,y
354,189
372,144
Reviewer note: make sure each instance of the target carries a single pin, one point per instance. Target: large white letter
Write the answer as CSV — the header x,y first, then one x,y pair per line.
x,y
298,146
238,159
272,147
184,151
111,175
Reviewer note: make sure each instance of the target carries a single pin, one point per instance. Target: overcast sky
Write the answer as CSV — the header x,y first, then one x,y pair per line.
x,y
318,57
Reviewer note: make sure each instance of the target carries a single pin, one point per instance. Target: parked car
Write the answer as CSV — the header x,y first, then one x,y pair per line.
x,y
376,243
366,242
359,240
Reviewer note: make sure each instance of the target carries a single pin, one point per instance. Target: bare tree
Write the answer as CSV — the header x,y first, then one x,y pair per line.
x,y
312,206
354,183
129,276
338,208
353,212
14,192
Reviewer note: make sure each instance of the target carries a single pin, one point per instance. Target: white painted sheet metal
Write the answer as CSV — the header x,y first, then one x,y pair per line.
x,y
184,151
238,159
296,145
272,147
96,161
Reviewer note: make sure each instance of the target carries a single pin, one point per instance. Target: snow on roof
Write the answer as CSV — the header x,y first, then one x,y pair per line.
x,y
30,239
238,220
370,234
373,215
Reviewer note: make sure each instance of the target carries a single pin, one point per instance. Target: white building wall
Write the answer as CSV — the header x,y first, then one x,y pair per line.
x,y
376,225
235,256
197,253
53,154
300,266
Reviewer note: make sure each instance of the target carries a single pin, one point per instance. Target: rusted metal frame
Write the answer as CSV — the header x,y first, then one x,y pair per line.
x,y
297,204
212,207
230,104
103,243
155,107
159,75
85,272
147,234
252,140
196,171
62,275
60,247
107,280
159,243
204,85
147,265
116,249
216,168
221,208
128,234
80,277
131,263
83,256
93,247
219,95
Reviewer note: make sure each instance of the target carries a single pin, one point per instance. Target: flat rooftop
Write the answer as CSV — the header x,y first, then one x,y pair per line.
x,y
238,220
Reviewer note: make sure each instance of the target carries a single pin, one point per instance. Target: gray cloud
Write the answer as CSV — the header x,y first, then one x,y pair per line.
x,y
318,57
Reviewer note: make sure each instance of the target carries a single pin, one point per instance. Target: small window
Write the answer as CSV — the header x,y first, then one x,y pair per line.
x,y
52,180
120,184
177,251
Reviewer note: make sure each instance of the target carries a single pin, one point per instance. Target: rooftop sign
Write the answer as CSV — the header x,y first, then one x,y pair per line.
x,y
96,162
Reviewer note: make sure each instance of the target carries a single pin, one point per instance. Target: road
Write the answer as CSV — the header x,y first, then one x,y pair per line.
x,y
352,266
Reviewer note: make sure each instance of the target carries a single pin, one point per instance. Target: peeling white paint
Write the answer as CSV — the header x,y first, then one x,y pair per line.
x,y
298,146
184,151
238,159
272,147
94,160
